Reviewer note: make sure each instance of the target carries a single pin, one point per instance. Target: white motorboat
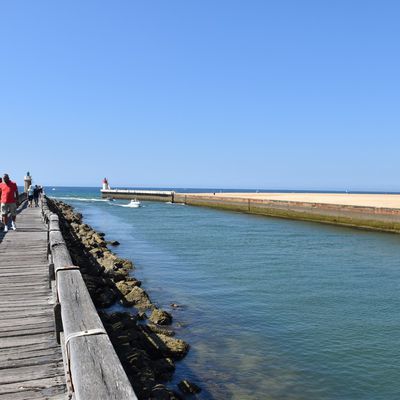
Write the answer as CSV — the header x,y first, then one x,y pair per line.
x,y
134,204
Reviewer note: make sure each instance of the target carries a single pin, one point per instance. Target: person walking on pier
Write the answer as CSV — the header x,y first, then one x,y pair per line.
x,y
30,195
36,195
9,201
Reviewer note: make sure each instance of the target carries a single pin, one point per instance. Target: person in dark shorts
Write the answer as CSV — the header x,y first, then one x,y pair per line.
x,y
36,195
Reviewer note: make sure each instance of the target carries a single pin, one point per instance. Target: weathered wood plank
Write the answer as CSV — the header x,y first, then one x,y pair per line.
x,y
20,285
32,361
31,372
27,356
14,329
33,395
25,321
49,329
6,352
18,341
34,295
14,317
43,386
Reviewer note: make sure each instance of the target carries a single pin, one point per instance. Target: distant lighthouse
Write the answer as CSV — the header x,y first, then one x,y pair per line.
x,y
106,186
27,181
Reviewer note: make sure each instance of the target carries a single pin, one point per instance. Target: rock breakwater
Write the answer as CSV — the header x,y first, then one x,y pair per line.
x,y
145,345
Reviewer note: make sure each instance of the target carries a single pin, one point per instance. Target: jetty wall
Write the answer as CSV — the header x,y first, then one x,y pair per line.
x,y
357,216
150,195
371,218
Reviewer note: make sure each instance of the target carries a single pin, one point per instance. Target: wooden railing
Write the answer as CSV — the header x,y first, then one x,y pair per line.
x,y
93,369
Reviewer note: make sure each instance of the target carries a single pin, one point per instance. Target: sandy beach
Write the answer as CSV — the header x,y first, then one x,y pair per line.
x,y
365,200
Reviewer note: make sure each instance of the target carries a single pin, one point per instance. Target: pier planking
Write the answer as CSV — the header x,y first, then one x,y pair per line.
x,y
31,363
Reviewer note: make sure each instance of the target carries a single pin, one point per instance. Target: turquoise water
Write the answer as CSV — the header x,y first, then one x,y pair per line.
x,y
273,309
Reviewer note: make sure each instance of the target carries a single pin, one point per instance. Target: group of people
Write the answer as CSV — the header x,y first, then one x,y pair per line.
x,y
9,201
34,193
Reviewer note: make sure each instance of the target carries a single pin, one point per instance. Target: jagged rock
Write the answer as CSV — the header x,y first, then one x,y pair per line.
x,y
124,263
74,225
129,321
160,392
134,281
175,348
137,297
113,242
143,381
126,286
107,263
159,345
163,368
188,387
141,316
161,317
160,329
97,238
118,275
104,297
96,252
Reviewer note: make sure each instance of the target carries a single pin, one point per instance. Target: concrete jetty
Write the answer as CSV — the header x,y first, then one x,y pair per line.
x,y
366,211
151,195
379,212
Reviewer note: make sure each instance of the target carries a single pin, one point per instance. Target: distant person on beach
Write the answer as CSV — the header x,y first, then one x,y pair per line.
x,y
30,195
36,195
9,202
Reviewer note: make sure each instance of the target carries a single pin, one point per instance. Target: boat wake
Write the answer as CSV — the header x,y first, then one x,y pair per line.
x,y
132,204
127,205
77,199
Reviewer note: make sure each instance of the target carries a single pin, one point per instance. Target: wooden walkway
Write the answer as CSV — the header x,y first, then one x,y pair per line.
x,y
31,365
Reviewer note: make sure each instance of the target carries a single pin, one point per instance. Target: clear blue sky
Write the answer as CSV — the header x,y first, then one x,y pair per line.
x,y
211,93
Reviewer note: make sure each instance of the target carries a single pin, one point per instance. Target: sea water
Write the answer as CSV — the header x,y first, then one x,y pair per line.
x,y
272,308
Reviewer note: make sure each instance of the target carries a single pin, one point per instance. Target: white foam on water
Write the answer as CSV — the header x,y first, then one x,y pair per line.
x,y
126,206
77,199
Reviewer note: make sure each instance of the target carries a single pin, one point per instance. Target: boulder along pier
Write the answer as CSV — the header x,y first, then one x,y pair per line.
x,y
380,212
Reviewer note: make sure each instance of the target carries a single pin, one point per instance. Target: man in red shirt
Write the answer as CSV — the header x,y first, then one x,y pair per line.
x,y
9,201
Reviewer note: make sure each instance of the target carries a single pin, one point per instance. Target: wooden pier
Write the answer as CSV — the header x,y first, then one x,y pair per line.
x,y
31,363
53,344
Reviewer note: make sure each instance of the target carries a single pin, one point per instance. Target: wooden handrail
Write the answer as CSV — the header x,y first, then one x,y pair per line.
x,y
94,370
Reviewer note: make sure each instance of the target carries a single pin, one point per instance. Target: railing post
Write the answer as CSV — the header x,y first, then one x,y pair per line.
x,y
58,321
